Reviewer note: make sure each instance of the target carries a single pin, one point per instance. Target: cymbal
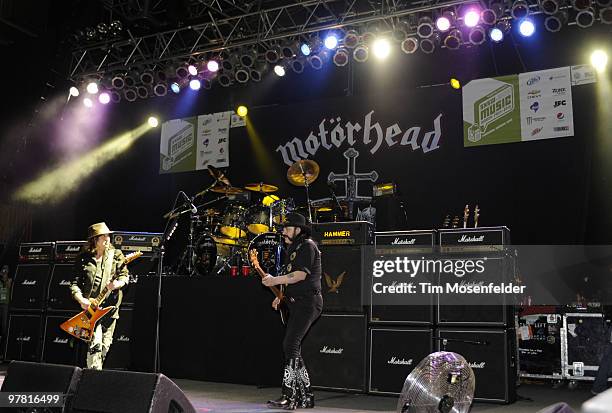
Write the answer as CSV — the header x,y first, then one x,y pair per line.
x,y
269,200
210,212
229,241
303,171
261,187
218,175
228,190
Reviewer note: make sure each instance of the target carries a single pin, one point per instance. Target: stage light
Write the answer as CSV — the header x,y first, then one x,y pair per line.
x,y
549,7
88,102
526,27
453,40
471,18
606,15
242,75
272,55
492,14
455,84
175,87
351,39
604,3
182,72
206,83
519,9
195,84
115,97
193,71
585,18
153,121
104,98
257,71
341,57
279,70
315,62
229,64
248,57
410,45
425,29
428,45
381,49
297,65
212,66
147,77
599,60
130,80
496,34
117,82
361,53
581,4
130,95
556,22
224,79
74,92
160,89
477,36
242,111
92,88
443,24
305,49
142,92
331,42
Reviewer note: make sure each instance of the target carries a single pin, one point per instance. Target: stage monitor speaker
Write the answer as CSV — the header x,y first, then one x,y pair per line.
x,y
58,346
59,294
111,391
492,355
30,287
558,408
342,279
120,353
23,337
24,376
334,352
394,352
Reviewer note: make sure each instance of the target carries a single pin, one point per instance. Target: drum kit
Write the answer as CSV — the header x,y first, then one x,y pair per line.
x,y
220,238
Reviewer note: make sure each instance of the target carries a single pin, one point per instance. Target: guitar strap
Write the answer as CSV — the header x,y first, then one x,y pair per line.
x,y
107,266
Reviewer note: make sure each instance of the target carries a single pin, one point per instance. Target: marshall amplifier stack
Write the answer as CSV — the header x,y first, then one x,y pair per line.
x,y
146,242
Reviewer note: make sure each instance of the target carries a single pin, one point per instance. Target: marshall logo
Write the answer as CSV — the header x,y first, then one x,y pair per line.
x,y
33,250
398,241
331,350
329,234
64,282
334,284
73,248
137,238
480,365
474,238
60,340
25,339
123,338
400,361
28,282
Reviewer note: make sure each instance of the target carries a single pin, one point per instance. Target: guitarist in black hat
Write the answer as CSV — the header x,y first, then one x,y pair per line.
x,y
303,279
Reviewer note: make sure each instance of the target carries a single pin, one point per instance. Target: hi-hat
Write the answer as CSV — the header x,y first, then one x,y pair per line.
x,y
303,171
261,187
218,175
228,190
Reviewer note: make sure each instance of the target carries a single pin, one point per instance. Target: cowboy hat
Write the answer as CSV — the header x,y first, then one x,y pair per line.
x,y
99,228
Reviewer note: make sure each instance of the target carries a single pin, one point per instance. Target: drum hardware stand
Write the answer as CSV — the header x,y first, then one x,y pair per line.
x,y
307,192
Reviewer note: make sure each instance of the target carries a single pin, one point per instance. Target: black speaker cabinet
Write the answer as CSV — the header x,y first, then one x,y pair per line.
x,y
492,355
39,377
335,354
59,295
111,391
394,352
342,277
23,337
30,287
120,354
58,346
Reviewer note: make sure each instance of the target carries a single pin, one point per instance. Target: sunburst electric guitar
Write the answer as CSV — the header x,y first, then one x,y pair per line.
x,y
282,306
83,324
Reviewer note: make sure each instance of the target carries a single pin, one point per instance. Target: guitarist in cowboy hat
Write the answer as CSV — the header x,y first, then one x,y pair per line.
x,y
303,279
96,267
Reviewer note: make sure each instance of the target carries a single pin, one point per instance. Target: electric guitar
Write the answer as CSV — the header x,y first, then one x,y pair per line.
x,y
83,324
278,293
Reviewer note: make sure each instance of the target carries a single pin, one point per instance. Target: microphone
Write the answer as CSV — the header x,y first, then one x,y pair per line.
x,y
193,208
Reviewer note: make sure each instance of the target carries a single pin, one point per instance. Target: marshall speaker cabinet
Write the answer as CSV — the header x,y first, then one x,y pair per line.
x,y
58,346
492,355
334,351
414,245
23,337
394,352
32,276
59,295
120,354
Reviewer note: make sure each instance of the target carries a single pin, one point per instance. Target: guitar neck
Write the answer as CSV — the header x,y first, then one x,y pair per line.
x,y
277,292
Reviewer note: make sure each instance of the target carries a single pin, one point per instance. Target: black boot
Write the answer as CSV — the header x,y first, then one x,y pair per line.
x,y
288,399
306,396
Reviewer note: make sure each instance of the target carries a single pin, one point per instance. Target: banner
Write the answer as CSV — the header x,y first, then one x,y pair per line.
x,y
517,108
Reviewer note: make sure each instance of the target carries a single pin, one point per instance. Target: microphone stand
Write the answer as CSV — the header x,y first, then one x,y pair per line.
x,y
330,185
307,194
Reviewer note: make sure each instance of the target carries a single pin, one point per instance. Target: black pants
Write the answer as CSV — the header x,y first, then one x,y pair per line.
x,y
302,313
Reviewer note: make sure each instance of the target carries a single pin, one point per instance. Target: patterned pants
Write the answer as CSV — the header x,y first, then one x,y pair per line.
x,y
98,347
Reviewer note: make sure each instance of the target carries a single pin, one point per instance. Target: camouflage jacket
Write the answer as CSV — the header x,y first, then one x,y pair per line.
x,y
85,273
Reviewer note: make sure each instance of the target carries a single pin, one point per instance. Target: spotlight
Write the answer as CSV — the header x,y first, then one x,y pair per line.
x,y
279,70
604,3
400,31
115,28
549,7
195,84
297,65
229,64
526,27
115,97
175,87
248,58
453,40
425,29
130,80
258,71
92,88
477,36
492,14
381,49
428,45
599,60
305,49
341,57
315,62
606,15
242,75
519,9
147,78
471,18
361,53
351,39
88,102
496,34
224,79
410,45
130,95
455,84
242,111
160,89
206,83
443,24
585,18
153,121
581,4
182,72
102,28
193,71
289,49
212,66
272,55
104,98
331,42
142,92
556,22
74,92
117,82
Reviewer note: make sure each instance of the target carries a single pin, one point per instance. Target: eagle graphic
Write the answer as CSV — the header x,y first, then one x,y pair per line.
x,y
334,284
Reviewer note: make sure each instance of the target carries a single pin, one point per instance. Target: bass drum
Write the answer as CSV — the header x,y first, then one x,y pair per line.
x,y
205,255
269,251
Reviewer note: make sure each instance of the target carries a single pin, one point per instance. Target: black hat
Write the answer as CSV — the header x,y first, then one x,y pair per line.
x,y
294,219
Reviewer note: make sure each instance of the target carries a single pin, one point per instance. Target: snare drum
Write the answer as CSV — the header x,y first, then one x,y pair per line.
x,y
258,220
269,249
232,225
205,254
